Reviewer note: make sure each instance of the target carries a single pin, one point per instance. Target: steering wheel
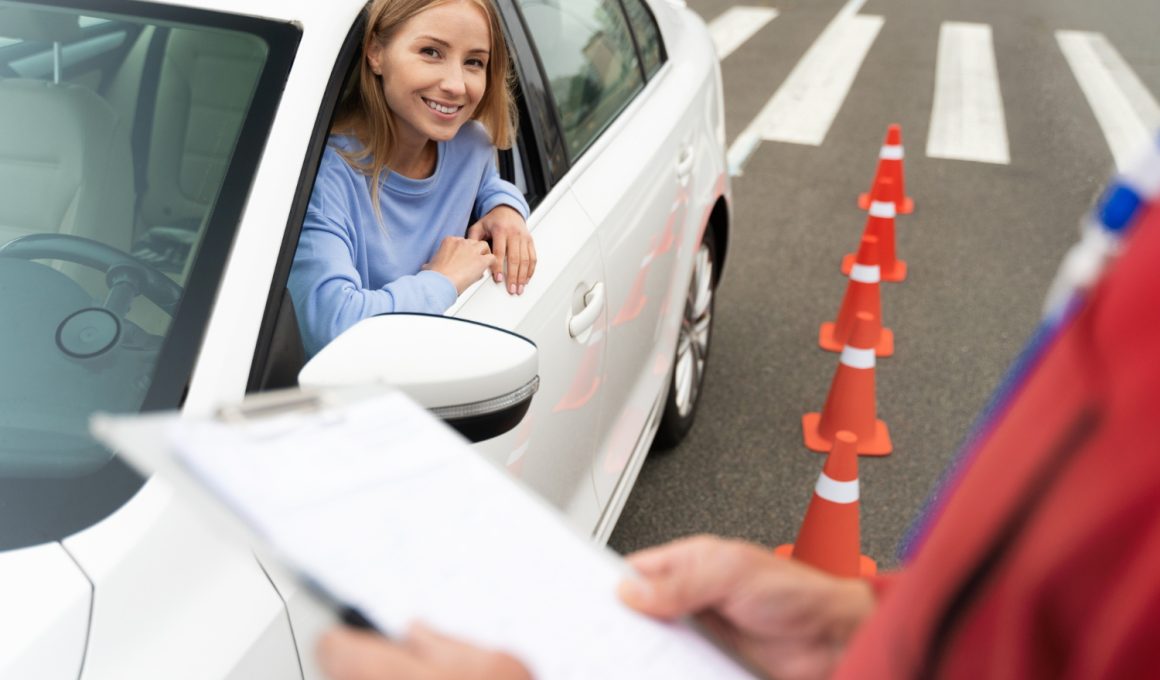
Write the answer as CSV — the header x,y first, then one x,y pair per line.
x,y
121,269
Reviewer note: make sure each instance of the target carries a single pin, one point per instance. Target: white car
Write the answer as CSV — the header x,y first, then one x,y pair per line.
x,y
155,164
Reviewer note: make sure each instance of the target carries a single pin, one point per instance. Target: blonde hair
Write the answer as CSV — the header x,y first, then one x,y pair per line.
x,y
363,111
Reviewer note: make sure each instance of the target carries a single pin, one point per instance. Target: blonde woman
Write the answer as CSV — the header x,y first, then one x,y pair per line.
x,y
408,166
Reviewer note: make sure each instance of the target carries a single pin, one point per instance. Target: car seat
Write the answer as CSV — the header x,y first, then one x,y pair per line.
x,y
196,117
65,163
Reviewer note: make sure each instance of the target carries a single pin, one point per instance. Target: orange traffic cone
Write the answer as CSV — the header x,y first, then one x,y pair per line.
x,y
890,160
829,538
862,295
880,223
850,405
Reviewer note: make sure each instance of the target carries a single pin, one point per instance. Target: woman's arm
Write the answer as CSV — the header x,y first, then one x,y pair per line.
x,y
330,296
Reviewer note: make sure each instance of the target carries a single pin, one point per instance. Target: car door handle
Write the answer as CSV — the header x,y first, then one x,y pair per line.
x,y
593,303
685,161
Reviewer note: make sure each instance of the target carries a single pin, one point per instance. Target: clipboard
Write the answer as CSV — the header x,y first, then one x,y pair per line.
x,y
140,440
389,517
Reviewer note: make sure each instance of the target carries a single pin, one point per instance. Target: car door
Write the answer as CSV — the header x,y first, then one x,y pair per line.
x,y
564,310
629,134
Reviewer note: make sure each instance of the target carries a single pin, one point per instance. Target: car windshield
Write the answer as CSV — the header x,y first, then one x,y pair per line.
x,y
127,145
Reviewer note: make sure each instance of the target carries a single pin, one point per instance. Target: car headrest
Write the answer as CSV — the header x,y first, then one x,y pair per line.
x,y
38,25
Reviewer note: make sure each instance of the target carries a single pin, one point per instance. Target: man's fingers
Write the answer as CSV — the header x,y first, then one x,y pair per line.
x,y
462,660
346,654
685,576
531,258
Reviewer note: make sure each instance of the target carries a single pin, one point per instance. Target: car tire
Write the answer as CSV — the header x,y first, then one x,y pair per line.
x,y
692,353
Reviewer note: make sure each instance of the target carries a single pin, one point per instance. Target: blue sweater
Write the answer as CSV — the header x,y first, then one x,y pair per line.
x,y
349,266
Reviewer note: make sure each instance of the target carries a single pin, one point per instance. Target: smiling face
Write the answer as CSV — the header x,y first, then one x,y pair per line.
x,y
434,72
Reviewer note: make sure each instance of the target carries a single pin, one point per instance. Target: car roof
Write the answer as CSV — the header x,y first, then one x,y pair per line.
x,y
302,12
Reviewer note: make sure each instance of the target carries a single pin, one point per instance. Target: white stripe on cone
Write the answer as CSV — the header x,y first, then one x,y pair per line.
x,y
891,152
855,357
882,209
834,491
865,273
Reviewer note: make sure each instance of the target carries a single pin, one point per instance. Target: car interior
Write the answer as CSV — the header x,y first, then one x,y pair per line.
x,y
115,135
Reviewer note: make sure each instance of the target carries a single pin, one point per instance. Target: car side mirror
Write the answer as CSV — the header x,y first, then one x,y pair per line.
x,y
479,379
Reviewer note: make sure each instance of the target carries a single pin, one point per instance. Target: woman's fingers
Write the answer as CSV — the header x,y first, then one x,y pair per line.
x,y
512,245
477,232
462,261
525,266
500,249
531,257
515,262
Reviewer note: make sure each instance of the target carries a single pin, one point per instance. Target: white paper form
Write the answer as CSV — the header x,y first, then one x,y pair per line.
x,y
386,509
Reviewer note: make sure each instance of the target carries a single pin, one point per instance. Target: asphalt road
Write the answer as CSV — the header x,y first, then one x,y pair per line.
x,y
982,246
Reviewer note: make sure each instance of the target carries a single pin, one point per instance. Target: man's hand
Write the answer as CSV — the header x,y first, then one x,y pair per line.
x,y
349,654
788,620
511,242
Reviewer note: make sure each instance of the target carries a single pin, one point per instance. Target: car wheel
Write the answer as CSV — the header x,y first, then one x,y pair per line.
x,y
692,354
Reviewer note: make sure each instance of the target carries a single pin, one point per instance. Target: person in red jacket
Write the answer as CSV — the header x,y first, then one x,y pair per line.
x,y
1041,558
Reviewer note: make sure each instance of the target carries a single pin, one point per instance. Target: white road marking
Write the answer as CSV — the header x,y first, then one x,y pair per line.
x,y
967,121
804,107
736,25
1126,112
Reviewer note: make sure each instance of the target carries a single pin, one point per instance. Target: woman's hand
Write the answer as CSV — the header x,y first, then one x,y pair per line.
x,y
788,620
349,654
462,260
512,244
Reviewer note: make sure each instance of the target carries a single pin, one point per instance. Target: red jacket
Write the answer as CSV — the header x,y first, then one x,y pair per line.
x,y
1045,561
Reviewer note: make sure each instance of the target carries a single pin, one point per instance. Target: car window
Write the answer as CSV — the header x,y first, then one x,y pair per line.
x,y
648,37
590,61
111,191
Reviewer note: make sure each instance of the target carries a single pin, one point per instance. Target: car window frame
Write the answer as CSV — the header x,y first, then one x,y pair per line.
x,y
664,53
542,120
184,340
273,321
552,111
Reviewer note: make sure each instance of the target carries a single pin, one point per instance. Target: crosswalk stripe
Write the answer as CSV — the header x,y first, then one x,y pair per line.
x,y
736,25
1127,113
967,121
804,107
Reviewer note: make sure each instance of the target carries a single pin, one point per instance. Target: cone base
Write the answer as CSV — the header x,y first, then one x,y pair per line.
x,y
903,207
826,341
893,274
866,566
878,445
